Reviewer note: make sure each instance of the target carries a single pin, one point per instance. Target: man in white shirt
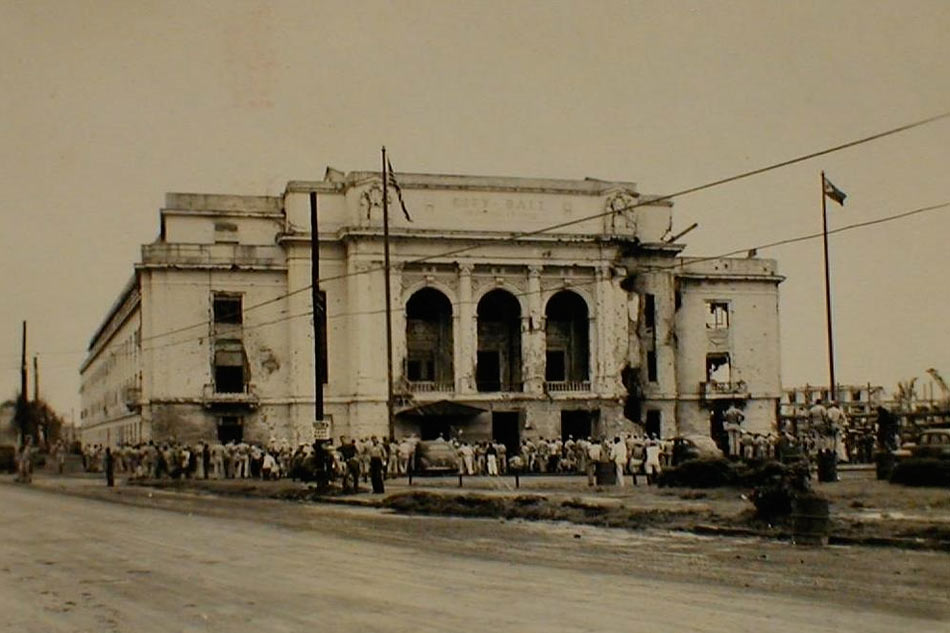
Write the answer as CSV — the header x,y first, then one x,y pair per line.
x,y
618,455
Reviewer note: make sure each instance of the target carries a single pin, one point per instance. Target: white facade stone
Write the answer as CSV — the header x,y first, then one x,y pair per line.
x,y
479,242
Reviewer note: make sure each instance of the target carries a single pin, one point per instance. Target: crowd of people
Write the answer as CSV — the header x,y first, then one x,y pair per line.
x,y
824,427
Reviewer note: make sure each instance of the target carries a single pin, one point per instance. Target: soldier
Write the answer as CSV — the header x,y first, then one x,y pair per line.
x,y
733,419
593,458
110,468
376,456
25,466
618,455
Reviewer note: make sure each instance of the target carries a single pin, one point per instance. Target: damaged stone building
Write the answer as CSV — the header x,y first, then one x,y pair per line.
x,y
521,307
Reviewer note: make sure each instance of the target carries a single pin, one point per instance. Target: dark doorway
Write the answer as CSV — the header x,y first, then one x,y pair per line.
x,y
488,371
716,430
434,427
230,428
578,423
506,428
654,422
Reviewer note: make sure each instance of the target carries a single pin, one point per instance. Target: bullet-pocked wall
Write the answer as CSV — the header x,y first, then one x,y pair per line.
x,y
540,333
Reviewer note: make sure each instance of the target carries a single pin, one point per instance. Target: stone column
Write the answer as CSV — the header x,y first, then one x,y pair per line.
x,y
465,330
601,339
533,340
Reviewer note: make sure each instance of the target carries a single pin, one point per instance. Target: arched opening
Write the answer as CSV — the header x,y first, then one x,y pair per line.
x,y
498,363
429,341
567,339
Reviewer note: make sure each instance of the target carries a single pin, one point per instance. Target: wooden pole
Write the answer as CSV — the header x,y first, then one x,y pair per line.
x,y
831,348
389,316
319,311
23,367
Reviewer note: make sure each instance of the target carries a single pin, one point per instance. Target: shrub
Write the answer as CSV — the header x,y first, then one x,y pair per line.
x,y
922,472
699,473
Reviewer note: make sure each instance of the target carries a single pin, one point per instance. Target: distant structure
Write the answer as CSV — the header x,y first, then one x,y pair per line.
x,y
502,328
857,401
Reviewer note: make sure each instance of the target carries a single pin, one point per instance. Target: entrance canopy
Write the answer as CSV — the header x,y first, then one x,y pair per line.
x,y
443,409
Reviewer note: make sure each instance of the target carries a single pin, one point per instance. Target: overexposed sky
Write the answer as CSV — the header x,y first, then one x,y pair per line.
x,y
106,105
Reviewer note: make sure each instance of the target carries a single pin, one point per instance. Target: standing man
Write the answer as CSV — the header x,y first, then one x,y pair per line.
x,y
618,455
110,468
733,419
593,458
376,455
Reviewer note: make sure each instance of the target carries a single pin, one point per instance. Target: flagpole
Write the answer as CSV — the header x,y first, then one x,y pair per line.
x,y
389,317
832,396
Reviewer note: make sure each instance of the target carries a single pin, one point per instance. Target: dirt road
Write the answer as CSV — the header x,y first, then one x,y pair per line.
x,y
72,564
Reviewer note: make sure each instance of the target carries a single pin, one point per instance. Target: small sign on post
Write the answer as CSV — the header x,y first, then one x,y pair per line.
x,y
321,430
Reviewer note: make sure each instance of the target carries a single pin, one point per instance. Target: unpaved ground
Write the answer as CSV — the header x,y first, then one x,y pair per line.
x,y
863,510
231,564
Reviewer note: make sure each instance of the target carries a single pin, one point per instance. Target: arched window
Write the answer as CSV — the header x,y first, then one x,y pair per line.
x,y
498,365
429,341
567,337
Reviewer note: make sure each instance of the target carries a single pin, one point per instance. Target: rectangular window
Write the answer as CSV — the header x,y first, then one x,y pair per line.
x,y
651,367
718,368
229,364
227,309
717,315
649,310
420,369
554,369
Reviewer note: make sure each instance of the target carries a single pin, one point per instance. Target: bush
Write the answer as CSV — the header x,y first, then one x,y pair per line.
x,y
772,502
922,472
715,473
699,473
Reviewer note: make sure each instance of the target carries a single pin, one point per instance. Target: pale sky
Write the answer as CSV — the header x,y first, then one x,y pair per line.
x,y
107,105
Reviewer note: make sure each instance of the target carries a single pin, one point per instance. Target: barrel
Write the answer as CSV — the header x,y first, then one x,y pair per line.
x,y
810,523
606,474
884,464
827,465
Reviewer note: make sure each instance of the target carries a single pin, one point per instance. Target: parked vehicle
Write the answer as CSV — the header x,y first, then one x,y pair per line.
x,y
435,456
934,443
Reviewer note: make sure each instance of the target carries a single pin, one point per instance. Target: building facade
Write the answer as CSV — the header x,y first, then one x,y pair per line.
x,y
520,308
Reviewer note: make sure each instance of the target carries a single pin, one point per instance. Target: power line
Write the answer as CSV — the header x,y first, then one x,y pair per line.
x,y
650,202
648,268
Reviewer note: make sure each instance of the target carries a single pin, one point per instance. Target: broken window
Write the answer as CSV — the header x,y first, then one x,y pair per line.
x,y
567,326
429,337
227,308
717,315
718,368
229,367
651,367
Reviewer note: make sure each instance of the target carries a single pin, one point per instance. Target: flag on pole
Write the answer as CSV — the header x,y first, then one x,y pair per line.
x,y
392,181
834,193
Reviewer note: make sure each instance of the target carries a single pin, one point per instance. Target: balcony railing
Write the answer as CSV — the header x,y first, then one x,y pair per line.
x,y
212,254
493,386
429,386
724,390
566,385
211,397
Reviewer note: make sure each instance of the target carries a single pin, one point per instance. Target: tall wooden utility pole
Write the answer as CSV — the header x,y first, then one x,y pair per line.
x,y
36,378
832,396
23,368
389,316
320,427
